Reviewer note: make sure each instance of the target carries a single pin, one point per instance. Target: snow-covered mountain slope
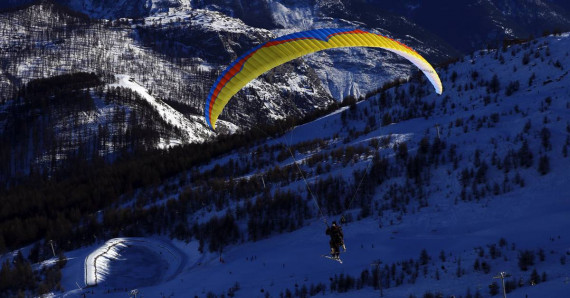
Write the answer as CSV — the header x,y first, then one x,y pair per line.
x,y
463,186
176,53
176,69
179,67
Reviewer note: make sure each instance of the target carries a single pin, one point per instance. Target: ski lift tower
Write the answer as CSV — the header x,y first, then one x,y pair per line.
x,y
377,264
502,276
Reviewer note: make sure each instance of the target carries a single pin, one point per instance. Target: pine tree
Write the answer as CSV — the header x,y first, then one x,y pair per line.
x,y
544,165
494,289
424,257
525,155
494,85
402,151
526,259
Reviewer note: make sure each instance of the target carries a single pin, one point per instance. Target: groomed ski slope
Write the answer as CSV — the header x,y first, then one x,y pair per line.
x,y
533,217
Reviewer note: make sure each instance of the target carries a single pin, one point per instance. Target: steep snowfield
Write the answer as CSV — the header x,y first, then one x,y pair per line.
x,y
531,217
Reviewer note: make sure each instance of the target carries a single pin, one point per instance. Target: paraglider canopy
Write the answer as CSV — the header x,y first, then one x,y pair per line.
x,y
286,48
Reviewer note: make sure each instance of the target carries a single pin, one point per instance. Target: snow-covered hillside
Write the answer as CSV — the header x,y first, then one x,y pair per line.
x,y
456,189
177,72
176,55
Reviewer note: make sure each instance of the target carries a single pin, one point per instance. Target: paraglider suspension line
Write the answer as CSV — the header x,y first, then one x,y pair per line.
x,y
286,146
321,214
361,180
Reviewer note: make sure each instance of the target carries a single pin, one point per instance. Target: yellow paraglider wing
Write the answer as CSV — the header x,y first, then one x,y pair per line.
x,y
286,48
